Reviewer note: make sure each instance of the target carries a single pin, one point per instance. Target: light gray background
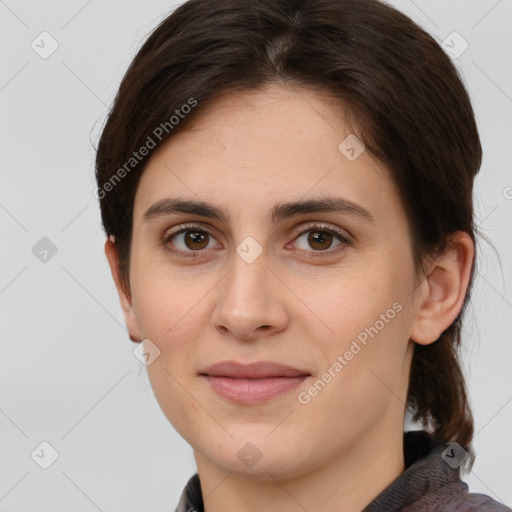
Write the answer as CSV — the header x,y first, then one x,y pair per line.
x,y
67,372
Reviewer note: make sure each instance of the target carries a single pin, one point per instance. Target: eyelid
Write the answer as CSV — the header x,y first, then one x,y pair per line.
x,y
168,234
345,240
299,231
322,226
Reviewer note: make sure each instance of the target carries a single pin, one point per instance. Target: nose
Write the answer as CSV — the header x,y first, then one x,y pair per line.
x,y
250,300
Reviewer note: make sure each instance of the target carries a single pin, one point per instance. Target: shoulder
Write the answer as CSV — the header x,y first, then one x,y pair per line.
x,y
481,502
433,485
456,498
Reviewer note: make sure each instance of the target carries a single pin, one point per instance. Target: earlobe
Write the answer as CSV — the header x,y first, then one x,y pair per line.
x,y
444,290
125,299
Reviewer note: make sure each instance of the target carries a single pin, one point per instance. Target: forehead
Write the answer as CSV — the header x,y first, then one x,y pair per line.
x,y
250,150
275,114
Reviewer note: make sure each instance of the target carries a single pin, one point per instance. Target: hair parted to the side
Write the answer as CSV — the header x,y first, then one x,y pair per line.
x,y
407,97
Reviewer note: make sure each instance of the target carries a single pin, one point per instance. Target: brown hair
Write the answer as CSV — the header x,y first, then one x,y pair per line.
x,y
407,96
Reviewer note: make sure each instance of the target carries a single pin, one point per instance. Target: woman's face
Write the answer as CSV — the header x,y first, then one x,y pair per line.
x,y
326,292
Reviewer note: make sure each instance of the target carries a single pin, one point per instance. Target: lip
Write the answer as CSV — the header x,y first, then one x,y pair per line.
x,y
252,383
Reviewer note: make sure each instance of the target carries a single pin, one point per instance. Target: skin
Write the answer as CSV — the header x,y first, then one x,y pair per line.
x,y
245,153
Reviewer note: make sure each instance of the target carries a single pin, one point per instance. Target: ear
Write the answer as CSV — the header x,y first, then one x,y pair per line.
x,y
443,290
124,297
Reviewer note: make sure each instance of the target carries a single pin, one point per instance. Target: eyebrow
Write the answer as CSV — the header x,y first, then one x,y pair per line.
x,y
280,211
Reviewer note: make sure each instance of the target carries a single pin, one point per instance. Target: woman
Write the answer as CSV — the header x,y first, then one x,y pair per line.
x,y
286,187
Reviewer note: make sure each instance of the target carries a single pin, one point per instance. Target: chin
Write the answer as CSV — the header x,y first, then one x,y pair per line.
x,y
261,460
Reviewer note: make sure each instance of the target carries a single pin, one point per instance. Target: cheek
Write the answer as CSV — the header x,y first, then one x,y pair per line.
x,y
354,303
173,320
162,300
175,396
365,384
366,349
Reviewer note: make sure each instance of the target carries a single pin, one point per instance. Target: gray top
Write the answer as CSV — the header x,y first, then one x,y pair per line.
x,y
428,483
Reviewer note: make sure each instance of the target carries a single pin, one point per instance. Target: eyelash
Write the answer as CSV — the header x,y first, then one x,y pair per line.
x,y
322,228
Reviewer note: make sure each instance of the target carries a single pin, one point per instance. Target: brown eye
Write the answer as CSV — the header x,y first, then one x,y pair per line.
x,y
189,241
320,240
317,240
195,240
